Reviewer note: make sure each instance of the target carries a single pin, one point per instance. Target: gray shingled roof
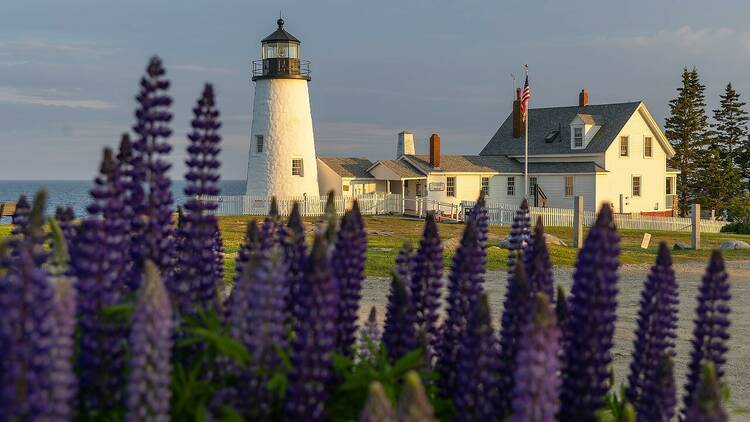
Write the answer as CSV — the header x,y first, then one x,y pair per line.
x,y
401,168
543,121
349,166
569,167
468,164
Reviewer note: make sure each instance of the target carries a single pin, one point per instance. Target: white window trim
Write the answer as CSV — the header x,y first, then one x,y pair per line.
x,y
644,147
640,193
619,147
262,140
508,185
481,185
573,136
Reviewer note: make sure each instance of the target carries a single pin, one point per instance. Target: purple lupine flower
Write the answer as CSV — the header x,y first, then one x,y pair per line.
x,y
516,308
711,325
536,391
369,336
405,261
707,403
263,330
273,231
152,222
588,337
399,335
329,222
28,342
148,390
295,253
520,234
315,340
348,263
64,381
481,219
538,264
426,283
378,407
65,216
414,405
20,217
476,376
654,336
659,402
98,262
132,197
464,288
250,252
195,283
218,254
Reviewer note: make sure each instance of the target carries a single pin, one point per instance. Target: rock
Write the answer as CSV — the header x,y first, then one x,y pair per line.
x,y
504,243
681,246
733,244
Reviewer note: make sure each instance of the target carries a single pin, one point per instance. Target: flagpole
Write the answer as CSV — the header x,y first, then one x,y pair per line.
x,y
526,144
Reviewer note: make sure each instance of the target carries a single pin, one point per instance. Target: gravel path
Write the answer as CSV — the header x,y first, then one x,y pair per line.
x,y
631,281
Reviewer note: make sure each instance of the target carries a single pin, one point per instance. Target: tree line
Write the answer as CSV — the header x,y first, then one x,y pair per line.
x,y
712,156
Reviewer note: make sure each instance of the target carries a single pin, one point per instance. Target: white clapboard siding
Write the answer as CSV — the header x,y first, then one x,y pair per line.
x,y
310,206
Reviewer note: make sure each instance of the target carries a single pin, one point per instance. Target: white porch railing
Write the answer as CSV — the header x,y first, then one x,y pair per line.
x,y
502,214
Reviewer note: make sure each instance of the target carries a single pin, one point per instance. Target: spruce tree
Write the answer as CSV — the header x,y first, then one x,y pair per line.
x,y
742,158
731,123
717,181
687,129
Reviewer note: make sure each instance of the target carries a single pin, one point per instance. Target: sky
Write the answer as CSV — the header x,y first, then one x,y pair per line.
x,y
69,70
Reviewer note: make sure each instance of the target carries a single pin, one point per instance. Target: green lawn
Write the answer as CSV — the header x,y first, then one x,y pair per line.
x,y
387,235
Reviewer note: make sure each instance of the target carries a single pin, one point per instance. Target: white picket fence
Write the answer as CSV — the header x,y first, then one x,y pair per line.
x,y
502,214
310,206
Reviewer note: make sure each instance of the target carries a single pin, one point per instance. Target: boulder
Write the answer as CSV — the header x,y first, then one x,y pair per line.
x,y
505,243
733,244
548,238
679,246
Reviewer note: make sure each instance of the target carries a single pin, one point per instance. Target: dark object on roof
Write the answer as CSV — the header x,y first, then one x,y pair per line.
x,y
569,168
543,121
349,166
280,34
467,164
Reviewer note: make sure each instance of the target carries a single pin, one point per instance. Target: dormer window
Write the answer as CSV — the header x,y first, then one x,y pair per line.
x,y
578,137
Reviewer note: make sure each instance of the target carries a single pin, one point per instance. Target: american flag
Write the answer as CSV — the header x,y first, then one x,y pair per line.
x,y
525,96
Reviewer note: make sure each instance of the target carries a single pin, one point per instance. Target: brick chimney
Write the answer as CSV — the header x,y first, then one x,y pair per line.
x,y
583,98
435,150
517,125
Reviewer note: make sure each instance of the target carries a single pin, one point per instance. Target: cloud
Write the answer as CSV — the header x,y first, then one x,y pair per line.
x,y
11,95
694,40
37,45
201,69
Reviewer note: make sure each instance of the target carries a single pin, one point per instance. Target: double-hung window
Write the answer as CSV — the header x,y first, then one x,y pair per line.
x,y
568,185
578,137
636,186
486,186
259,141
450,186
648,147
532,186
296,167
511,188
624,146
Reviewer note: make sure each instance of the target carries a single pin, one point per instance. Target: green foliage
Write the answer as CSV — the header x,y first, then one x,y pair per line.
x,y
617,408
731,123
687,130
717,181
739,208
58,262
357,376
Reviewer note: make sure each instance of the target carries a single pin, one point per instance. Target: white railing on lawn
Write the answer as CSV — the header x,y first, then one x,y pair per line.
x,y
310,206
502,214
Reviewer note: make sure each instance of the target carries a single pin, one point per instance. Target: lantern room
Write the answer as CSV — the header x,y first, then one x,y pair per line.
x,y
280,57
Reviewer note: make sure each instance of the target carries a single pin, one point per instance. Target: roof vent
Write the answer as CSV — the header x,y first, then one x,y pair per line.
x,y
551,136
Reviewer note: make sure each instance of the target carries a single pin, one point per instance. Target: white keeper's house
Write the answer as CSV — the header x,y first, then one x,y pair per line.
x,y
613,153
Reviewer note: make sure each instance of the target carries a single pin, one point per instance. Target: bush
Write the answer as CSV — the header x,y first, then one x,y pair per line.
x,y
736,227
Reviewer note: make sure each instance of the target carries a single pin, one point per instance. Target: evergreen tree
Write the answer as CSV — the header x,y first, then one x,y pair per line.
x,y
687,129
731,123
717,180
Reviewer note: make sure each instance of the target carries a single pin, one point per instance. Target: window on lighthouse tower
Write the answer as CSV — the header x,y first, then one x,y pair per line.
x,y
259,144
297,167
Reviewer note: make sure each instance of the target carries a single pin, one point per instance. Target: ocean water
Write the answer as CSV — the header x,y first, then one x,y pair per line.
x,y
75,193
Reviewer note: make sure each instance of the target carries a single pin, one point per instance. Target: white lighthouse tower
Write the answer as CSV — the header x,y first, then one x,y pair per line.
x,y
282,151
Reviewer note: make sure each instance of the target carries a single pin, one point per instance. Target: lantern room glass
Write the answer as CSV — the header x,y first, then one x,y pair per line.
x,y
280,50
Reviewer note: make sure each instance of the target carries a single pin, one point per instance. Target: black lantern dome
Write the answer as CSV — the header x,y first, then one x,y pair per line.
x,y
280,57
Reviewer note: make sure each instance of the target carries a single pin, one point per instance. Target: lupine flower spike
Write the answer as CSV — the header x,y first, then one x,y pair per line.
x,y
405,264
707,404
414,405
295,253
195,282
537,387
148,391
561,307
153,210
426,283
378,407
348,263
369,336
538,264
588,338
711,325
654,338
399,336
476,378
315,340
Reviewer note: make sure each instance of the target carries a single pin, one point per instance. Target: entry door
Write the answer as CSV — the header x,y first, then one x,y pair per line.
x,y
359,189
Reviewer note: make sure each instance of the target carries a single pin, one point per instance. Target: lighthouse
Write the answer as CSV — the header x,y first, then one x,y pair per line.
x,y
282,147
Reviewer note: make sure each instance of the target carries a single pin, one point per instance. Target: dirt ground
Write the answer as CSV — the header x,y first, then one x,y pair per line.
x,y
631,281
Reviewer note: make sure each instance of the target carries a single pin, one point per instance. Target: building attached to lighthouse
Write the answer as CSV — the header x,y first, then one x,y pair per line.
x,y
282,152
